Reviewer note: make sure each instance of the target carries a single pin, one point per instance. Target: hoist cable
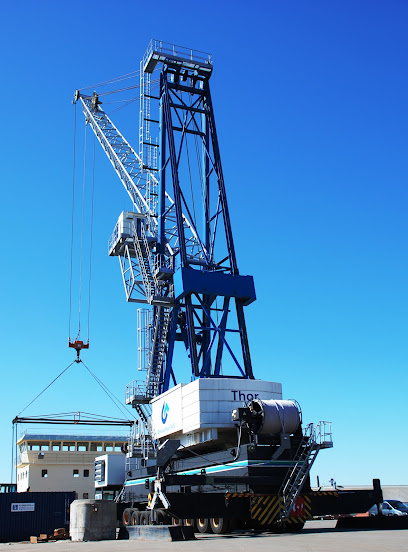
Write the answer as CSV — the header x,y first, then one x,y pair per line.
x,y
131,75
122,101
72,226
91,236
123,89
45,389
112,397
128,102
82,236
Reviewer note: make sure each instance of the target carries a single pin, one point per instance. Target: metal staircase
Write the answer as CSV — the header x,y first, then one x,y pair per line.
x,y
143,254
315,438
161,329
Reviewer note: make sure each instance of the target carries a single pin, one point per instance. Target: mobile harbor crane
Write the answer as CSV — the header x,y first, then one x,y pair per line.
x,y
224,449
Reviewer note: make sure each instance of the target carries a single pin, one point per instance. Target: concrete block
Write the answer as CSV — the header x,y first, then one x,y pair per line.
x,y
92,520
167,533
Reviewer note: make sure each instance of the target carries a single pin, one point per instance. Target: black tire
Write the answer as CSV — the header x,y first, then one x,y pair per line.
x,y
190,522
127,516
145,518
162,518
135,519
177,521
220,526
203,525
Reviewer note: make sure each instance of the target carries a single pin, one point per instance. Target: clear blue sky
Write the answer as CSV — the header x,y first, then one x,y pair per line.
x,y
311,108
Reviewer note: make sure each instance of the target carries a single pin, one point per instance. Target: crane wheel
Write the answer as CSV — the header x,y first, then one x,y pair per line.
x,y
219,525
144,518
190,522
162,518
127,516
203,525
177,521
135,519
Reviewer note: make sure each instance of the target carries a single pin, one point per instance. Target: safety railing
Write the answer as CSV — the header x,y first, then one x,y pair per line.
x,y
323,434
113,240
135,389
172,50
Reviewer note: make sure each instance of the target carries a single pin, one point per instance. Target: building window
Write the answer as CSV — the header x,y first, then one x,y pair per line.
x,y
44,473
68,446
85,495
86,474
82,447
56,446
75,473
96,447
38,445
118,447
108,447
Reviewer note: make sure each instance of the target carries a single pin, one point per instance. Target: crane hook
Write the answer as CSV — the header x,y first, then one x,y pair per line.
x,y
78,346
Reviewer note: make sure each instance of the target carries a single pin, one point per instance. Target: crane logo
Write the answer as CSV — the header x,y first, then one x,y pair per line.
x,y
164,412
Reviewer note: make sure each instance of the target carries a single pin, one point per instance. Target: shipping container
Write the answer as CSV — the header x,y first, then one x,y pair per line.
x,y
28,514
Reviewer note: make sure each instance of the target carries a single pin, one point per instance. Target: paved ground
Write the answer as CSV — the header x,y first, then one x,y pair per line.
x,y
315,537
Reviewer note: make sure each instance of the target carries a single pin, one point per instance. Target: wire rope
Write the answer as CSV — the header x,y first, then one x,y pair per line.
x,y
121,89
45,389
130,75
113,398
72,225
122,101
128,102
82,235
91,236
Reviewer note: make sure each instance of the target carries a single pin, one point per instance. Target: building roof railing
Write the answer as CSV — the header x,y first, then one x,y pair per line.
x,y
67,437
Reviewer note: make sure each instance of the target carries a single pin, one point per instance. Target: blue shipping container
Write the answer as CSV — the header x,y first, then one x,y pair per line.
x,y
23,515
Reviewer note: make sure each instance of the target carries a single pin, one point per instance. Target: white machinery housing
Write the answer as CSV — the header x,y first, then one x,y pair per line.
x,y
197,411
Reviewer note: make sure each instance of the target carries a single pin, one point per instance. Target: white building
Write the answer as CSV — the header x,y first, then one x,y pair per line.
x,y
62,462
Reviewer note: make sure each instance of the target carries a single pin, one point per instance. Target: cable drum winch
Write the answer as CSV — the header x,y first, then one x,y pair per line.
x,y
272,417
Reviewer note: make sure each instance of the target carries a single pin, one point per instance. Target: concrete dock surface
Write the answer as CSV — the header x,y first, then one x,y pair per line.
x,y
317,536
